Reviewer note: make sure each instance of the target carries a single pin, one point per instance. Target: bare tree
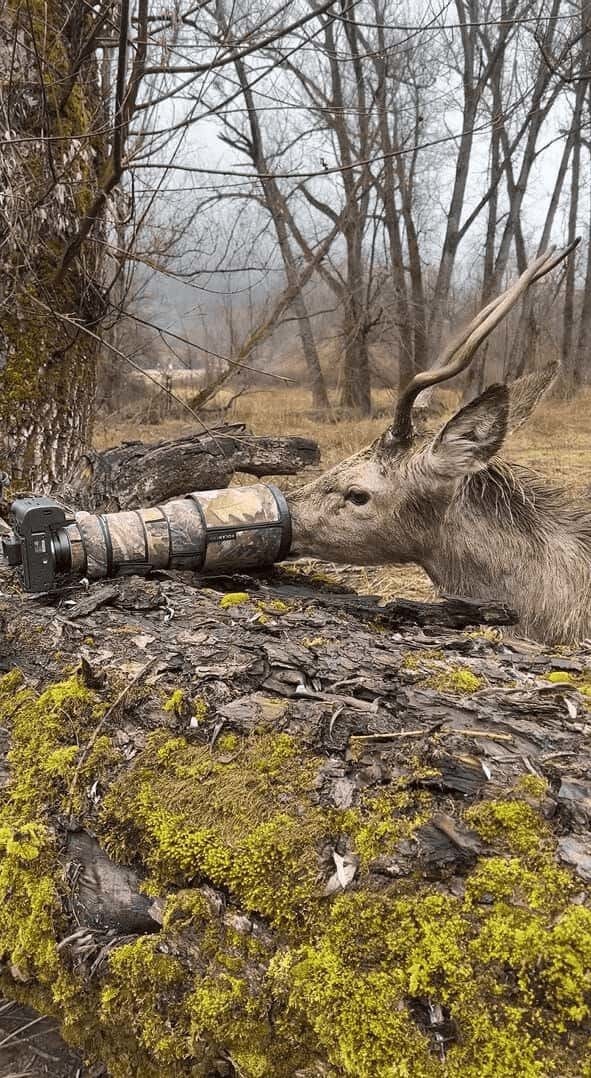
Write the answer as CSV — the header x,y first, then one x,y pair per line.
x,y
336,92
249,140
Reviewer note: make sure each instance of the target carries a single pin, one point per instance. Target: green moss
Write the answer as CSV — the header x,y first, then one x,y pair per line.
x,y
384,820
533,787
415,659
234,598
239,823
535,883
174,702
453,679
347,979
323,578
458,680
46,732
273,606
227,743
486,633
512,825
314,641
141,979
200,709
561,676
493,968
580,682
281,752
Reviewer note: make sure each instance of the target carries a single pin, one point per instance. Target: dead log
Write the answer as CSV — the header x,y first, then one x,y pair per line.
x,y
453,612
259,833
135,474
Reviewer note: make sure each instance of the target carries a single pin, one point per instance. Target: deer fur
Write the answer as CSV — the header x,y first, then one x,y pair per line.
x,y
479,527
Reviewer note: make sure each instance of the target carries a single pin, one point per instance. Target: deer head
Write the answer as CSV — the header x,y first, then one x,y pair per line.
x,y
435,498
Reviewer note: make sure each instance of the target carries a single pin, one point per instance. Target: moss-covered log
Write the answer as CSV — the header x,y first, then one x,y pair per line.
x,y
250,835
52,154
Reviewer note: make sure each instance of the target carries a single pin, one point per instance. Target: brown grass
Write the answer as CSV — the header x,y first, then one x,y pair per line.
x,y
556,442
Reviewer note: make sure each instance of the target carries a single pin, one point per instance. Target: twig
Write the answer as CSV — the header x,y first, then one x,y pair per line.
x,y
555,755
481,733
16,1032
396,734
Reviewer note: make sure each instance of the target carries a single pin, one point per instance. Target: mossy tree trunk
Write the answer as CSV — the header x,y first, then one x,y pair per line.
x,y
52,155
263,839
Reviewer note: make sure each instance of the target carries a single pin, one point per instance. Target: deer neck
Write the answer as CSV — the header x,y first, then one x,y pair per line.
x,y
509,536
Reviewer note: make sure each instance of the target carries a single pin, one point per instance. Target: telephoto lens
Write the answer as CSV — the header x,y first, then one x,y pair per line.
x,y
209,531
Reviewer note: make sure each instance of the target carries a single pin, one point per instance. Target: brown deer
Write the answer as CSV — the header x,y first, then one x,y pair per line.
x,y
479,526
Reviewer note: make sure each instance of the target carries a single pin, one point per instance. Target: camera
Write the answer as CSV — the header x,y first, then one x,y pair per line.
x,y
38,543
211,531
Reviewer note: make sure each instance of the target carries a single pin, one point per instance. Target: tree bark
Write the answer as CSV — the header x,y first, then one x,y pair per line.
x,y
47,175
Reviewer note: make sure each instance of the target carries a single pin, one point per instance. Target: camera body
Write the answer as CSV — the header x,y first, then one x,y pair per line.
x,y
37,543
210,531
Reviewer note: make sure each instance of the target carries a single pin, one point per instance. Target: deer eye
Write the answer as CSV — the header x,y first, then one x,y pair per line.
x,y
357,497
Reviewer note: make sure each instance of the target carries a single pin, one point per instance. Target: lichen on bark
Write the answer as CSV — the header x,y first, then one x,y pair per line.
x,y
51,158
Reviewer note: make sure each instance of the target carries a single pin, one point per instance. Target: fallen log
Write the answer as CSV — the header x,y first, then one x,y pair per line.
x,y
453,612
255,833
134,474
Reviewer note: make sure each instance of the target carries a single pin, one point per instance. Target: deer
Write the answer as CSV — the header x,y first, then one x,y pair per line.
x,y
480,527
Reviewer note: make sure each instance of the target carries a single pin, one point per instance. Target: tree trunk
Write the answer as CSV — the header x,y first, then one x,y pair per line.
x,y
47,365
570,373
311,358
256,837
355,368
467,14
476,373
538,110
571,370
583,353
417,290
386,188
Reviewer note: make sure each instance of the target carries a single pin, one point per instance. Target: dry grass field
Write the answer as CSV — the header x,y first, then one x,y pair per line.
x,y
555,442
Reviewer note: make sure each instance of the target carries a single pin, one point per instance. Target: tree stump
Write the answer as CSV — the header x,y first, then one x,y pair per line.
x,y
252,832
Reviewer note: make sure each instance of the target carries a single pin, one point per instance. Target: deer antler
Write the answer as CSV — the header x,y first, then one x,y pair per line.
x,y
459,352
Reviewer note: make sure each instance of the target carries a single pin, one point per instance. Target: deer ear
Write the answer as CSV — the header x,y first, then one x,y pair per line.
x,y
472,436
525,393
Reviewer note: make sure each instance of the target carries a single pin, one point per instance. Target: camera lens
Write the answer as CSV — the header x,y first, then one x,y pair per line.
x,y
61,551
